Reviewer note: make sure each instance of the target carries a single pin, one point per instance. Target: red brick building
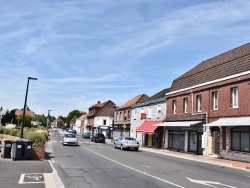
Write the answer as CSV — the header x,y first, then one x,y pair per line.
x,y
208,108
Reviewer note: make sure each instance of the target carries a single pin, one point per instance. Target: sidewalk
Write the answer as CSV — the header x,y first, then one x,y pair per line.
x,y
201,158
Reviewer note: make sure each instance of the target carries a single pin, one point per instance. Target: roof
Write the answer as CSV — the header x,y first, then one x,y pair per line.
x,y
137,99
226,64
108,112
148,127
159,97
84,116
161,94
99,104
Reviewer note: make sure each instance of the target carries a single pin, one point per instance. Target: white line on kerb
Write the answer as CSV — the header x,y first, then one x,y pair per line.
x,y
144,173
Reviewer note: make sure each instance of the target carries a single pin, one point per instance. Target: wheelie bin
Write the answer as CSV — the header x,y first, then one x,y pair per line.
x,y
27,149
6,149
17,147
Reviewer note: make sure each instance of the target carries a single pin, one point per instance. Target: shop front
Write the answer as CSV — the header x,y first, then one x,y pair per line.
x,y
120,130
234,136
184,136
150,135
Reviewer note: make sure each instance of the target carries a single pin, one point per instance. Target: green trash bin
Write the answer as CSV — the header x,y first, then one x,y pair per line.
x,y
6,149
27,149
17,149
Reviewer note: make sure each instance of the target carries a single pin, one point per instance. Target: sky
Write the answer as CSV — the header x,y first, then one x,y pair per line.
x,y
84,51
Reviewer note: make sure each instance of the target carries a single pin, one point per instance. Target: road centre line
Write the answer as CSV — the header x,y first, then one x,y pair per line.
x,y
144,173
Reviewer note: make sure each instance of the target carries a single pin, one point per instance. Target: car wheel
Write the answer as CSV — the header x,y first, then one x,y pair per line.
x,y
122,147
114,145
136,149
95,141
103,142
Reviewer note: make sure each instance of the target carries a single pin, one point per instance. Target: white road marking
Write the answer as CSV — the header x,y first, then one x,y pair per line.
x,y
203,182
32,176
146,166
135,169
96,146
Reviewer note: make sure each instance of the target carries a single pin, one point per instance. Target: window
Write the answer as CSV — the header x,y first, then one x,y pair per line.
x,y
241,139
199,101
117,116
125,116
234,98
185,105
159,111
120,116
135,113
149,112
174,106
104,122
142,110
215,100
129,115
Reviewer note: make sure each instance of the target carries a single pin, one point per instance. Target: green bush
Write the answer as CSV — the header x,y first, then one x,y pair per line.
x,y
14,132
6,131
1,130
38,140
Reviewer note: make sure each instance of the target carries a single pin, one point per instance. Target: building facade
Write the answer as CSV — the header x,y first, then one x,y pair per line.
x,y
208,108
95,111
122,117
144,116
103,123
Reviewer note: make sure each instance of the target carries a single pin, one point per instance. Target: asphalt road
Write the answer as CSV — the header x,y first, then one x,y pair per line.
x,y
101,165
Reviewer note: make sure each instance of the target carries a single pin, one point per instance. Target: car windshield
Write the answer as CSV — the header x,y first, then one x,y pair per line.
x,y
129,138
70,136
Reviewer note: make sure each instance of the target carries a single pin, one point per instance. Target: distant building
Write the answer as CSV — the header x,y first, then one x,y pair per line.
x,y
27,112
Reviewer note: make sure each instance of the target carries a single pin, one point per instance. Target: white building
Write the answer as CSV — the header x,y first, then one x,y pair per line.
x,y
144,116
103,123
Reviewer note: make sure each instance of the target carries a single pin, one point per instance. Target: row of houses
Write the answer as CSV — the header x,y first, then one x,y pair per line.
x,y
206,111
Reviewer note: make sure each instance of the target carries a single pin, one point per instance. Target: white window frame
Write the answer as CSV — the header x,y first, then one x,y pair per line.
x,y
215,100
174,106
185,105
235,97
135,113
199,103
149,112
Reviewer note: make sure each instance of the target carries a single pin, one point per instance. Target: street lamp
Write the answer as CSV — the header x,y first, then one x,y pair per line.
x,y
2,113
48,119
24,107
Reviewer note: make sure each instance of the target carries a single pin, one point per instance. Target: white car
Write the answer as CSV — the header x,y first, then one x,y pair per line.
x,y
126,143
70,139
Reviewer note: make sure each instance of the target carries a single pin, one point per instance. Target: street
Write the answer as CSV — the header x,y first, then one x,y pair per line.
x,y
101,165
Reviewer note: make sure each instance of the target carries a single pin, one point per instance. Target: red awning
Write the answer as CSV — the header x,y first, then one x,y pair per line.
x,y
148,127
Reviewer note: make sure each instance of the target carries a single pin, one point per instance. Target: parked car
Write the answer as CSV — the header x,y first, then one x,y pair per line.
x,y
98,137
126,143
73,131
86,135
70,139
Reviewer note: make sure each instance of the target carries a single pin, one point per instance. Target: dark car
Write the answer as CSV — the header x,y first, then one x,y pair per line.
x,y
73,131
98,137
86,135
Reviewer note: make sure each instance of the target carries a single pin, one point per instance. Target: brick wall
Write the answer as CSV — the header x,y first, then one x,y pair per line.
x,y
232,155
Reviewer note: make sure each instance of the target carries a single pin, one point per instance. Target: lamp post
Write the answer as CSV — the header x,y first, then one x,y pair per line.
x,y
48,119
24,107
2,113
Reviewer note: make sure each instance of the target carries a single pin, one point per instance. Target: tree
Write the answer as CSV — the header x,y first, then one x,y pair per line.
x,y
27,120
72,114
40,118
9,117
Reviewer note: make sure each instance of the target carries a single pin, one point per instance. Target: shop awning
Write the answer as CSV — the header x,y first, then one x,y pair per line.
x,y
178,123
148,127
237,121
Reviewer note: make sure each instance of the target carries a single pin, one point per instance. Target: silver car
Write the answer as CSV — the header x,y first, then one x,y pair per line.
x,y
126,143
70,139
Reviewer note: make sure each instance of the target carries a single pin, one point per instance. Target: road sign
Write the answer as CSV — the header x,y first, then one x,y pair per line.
x,y
124,126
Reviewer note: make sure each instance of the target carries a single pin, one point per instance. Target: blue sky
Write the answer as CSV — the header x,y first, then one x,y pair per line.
x,y
84,51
